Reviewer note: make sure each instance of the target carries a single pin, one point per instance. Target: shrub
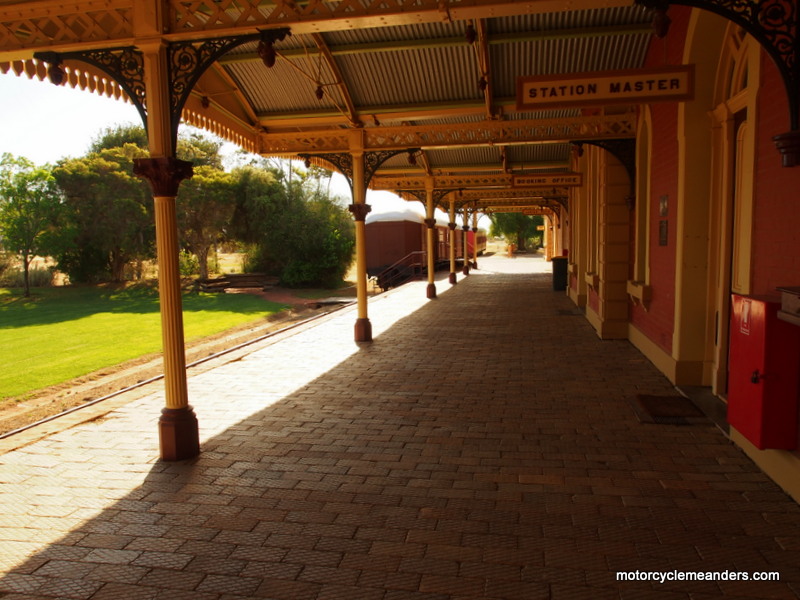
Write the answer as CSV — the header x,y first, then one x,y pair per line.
x,y
37,277
7,262
187,264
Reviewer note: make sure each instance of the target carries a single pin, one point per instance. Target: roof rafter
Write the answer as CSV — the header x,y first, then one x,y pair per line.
x,y
485,66
349,110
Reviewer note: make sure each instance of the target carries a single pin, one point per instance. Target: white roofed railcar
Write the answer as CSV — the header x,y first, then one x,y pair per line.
x,y
396,241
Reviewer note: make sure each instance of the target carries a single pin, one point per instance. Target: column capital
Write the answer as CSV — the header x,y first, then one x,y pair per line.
x,y
452,226
788,145
164,173
430,223
359,210
465,227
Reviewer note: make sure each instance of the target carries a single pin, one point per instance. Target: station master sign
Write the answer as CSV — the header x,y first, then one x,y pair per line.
x,y
606,87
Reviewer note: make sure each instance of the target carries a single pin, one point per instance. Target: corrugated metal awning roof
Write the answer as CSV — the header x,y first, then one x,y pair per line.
x,y
429,74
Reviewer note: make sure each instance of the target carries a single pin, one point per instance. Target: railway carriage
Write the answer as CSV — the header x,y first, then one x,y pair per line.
x,y
396,244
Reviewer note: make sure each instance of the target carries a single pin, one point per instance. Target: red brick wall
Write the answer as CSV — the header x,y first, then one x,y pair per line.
x,y
658,322
776,218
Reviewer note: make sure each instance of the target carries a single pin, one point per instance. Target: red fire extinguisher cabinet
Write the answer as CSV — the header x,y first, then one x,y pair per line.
x,y
763,373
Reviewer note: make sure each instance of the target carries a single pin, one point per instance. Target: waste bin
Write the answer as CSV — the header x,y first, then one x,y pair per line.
x,y
559,273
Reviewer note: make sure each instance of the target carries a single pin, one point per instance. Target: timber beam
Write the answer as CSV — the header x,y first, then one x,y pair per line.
x,y
314,16
484,133
513,195
490,185
70,25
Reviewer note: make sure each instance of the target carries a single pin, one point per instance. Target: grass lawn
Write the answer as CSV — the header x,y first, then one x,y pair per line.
x,y
64,332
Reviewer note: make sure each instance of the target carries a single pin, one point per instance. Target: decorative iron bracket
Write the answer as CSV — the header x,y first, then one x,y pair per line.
x,y
775,24
186,63
343,162
439,195
373,161
420,195
124,65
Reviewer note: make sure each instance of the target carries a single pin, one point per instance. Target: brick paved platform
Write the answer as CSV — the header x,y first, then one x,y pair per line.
x,y
481,447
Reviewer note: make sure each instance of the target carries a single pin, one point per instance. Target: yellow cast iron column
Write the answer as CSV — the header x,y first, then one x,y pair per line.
x,y
452,225
465,245
177,426
475,240
430,223
360,209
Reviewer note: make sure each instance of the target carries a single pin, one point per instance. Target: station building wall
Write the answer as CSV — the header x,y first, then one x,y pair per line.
x,y
678,302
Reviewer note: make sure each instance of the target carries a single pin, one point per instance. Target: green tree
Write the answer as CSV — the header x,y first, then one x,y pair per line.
x,y
30,205
260,199
118,136
515,227
299,233
205,207
108,213
192,146
199,150
313,242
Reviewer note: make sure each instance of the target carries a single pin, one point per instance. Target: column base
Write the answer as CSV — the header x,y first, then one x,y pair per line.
x,y
363,330
453,278
431,291
178,434
465,270
474,264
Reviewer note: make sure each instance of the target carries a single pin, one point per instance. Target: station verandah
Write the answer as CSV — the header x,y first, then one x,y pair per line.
x,y
659,235
483,446
674,205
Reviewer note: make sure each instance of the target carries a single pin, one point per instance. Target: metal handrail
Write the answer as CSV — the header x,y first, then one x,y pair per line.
x,y
398,272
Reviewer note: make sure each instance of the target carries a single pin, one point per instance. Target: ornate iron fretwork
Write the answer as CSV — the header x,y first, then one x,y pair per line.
x,y
418,194
187,61
124,65
775,24
484,199
373,161
422,196
341,161
483,133
31,25
439,195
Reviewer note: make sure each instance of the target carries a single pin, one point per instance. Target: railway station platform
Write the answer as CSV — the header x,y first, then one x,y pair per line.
x,y
483,446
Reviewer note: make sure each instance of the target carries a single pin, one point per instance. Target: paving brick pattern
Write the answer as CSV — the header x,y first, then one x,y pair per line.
x,y
481,447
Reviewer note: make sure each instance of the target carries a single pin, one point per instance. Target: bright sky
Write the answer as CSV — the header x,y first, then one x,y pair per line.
x,y
45,123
